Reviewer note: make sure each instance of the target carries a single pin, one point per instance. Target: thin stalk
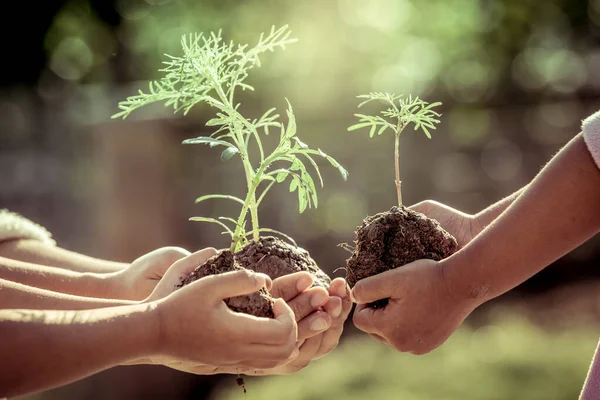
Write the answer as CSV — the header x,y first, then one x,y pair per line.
x,y
397,166
250,203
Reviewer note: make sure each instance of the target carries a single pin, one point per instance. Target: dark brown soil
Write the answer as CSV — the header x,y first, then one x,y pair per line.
x,y
276,258
271,256
259,304
395,238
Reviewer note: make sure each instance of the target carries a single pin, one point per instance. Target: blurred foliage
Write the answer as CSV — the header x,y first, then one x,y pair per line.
x,y
464,49
509,359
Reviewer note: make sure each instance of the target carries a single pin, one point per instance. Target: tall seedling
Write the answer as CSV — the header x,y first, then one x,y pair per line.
x,y
211,71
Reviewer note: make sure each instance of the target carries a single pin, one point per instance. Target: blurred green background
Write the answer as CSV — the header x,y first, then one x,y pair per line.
x,y
516,79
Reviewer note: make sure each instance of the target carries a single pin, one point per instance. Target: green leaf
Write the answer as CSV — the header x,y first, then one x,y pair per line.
x,y
336,164
213,221
281,176
208,140
228,153
301,199
358,126
372,131
300,143
294,184
291,128
315,166
219,196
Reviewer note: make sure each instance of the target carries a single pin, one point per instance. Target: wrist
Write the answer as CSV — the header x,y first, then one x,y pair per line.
x,y
112,285
461,288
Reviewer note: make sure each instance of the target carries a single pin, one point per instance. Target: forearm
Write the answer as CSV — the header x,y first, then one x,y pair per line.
x,y
55,279
487,216
558,211
16,295
45,349
36,252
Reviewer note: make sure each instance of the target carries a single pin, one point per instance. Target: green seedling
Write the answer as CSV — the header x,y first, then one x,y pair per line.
x,y
400,113
210,72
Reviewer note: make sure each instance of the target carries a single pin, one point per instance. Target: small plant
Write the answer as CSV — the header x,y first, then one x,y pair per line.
x,y
395,118
397,237
211,71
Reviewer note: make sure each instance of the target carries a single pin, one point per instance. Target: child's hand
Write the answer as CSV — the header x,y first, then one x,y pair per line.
x,y
198,327
464,227
421,314
330,309
320,323
139,279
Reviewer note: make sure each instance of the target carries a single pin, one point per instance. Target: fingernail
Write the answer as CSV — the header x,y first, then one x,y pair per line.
x,y
336,312
266,278
318,324
318,299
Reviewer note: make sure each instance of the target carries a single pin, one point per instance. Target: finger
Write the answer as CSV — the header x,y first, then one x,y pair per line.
x,y
268,356
422,207
312,325
333,307
289,286
377,287
363,319
281,330
178,271
187,264
308,352
339,288
380,339
231,284
330,340
307,302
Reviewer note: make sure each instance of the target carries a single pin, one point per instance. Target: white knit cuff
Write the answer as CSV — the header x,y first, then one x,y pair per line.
x,y
14,226
591,135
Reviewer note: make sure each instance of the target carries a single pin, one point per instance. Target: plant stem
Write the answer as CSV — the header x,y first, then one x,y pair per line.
x,y
397,159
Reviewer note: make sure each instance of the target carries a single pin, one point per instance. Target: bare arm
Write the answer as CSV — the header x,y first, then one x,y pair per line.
x,y
36,252
488,215
17,295
558,211
87,284
44,349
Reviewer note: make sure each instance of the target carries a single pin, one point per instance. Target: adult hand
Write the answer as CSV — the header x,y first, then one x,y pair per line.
x,y
421,314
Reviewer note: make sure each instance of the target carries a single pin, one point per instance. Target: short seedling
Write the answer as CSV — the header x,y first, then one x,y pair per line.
x,y
399,236
210,72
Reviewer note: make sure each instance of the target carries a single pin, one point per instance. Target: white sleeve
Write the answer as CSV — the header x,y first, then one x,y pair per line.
x,y
14,226
591,135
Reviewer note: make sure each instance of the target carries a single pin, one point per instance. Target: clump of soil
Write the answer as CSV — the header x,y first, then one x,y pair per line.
x,y
395,238
270,256
259,304
276,258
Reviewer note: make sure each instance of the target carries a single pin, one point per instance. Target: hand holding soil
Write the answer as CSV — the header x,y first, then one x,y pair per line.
x,y
314,340
421,313
196,324
464,227
141,277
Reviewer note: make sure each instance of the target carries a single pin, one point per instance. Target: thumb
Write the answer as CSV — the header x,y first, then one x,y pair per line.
x,y
377,287
180,269
235,283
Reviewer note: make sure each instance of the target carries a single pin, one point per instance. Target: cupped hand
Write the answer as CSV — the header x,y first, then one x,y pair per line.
x,y
421,314
198,328
464,227
139,279
320,316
